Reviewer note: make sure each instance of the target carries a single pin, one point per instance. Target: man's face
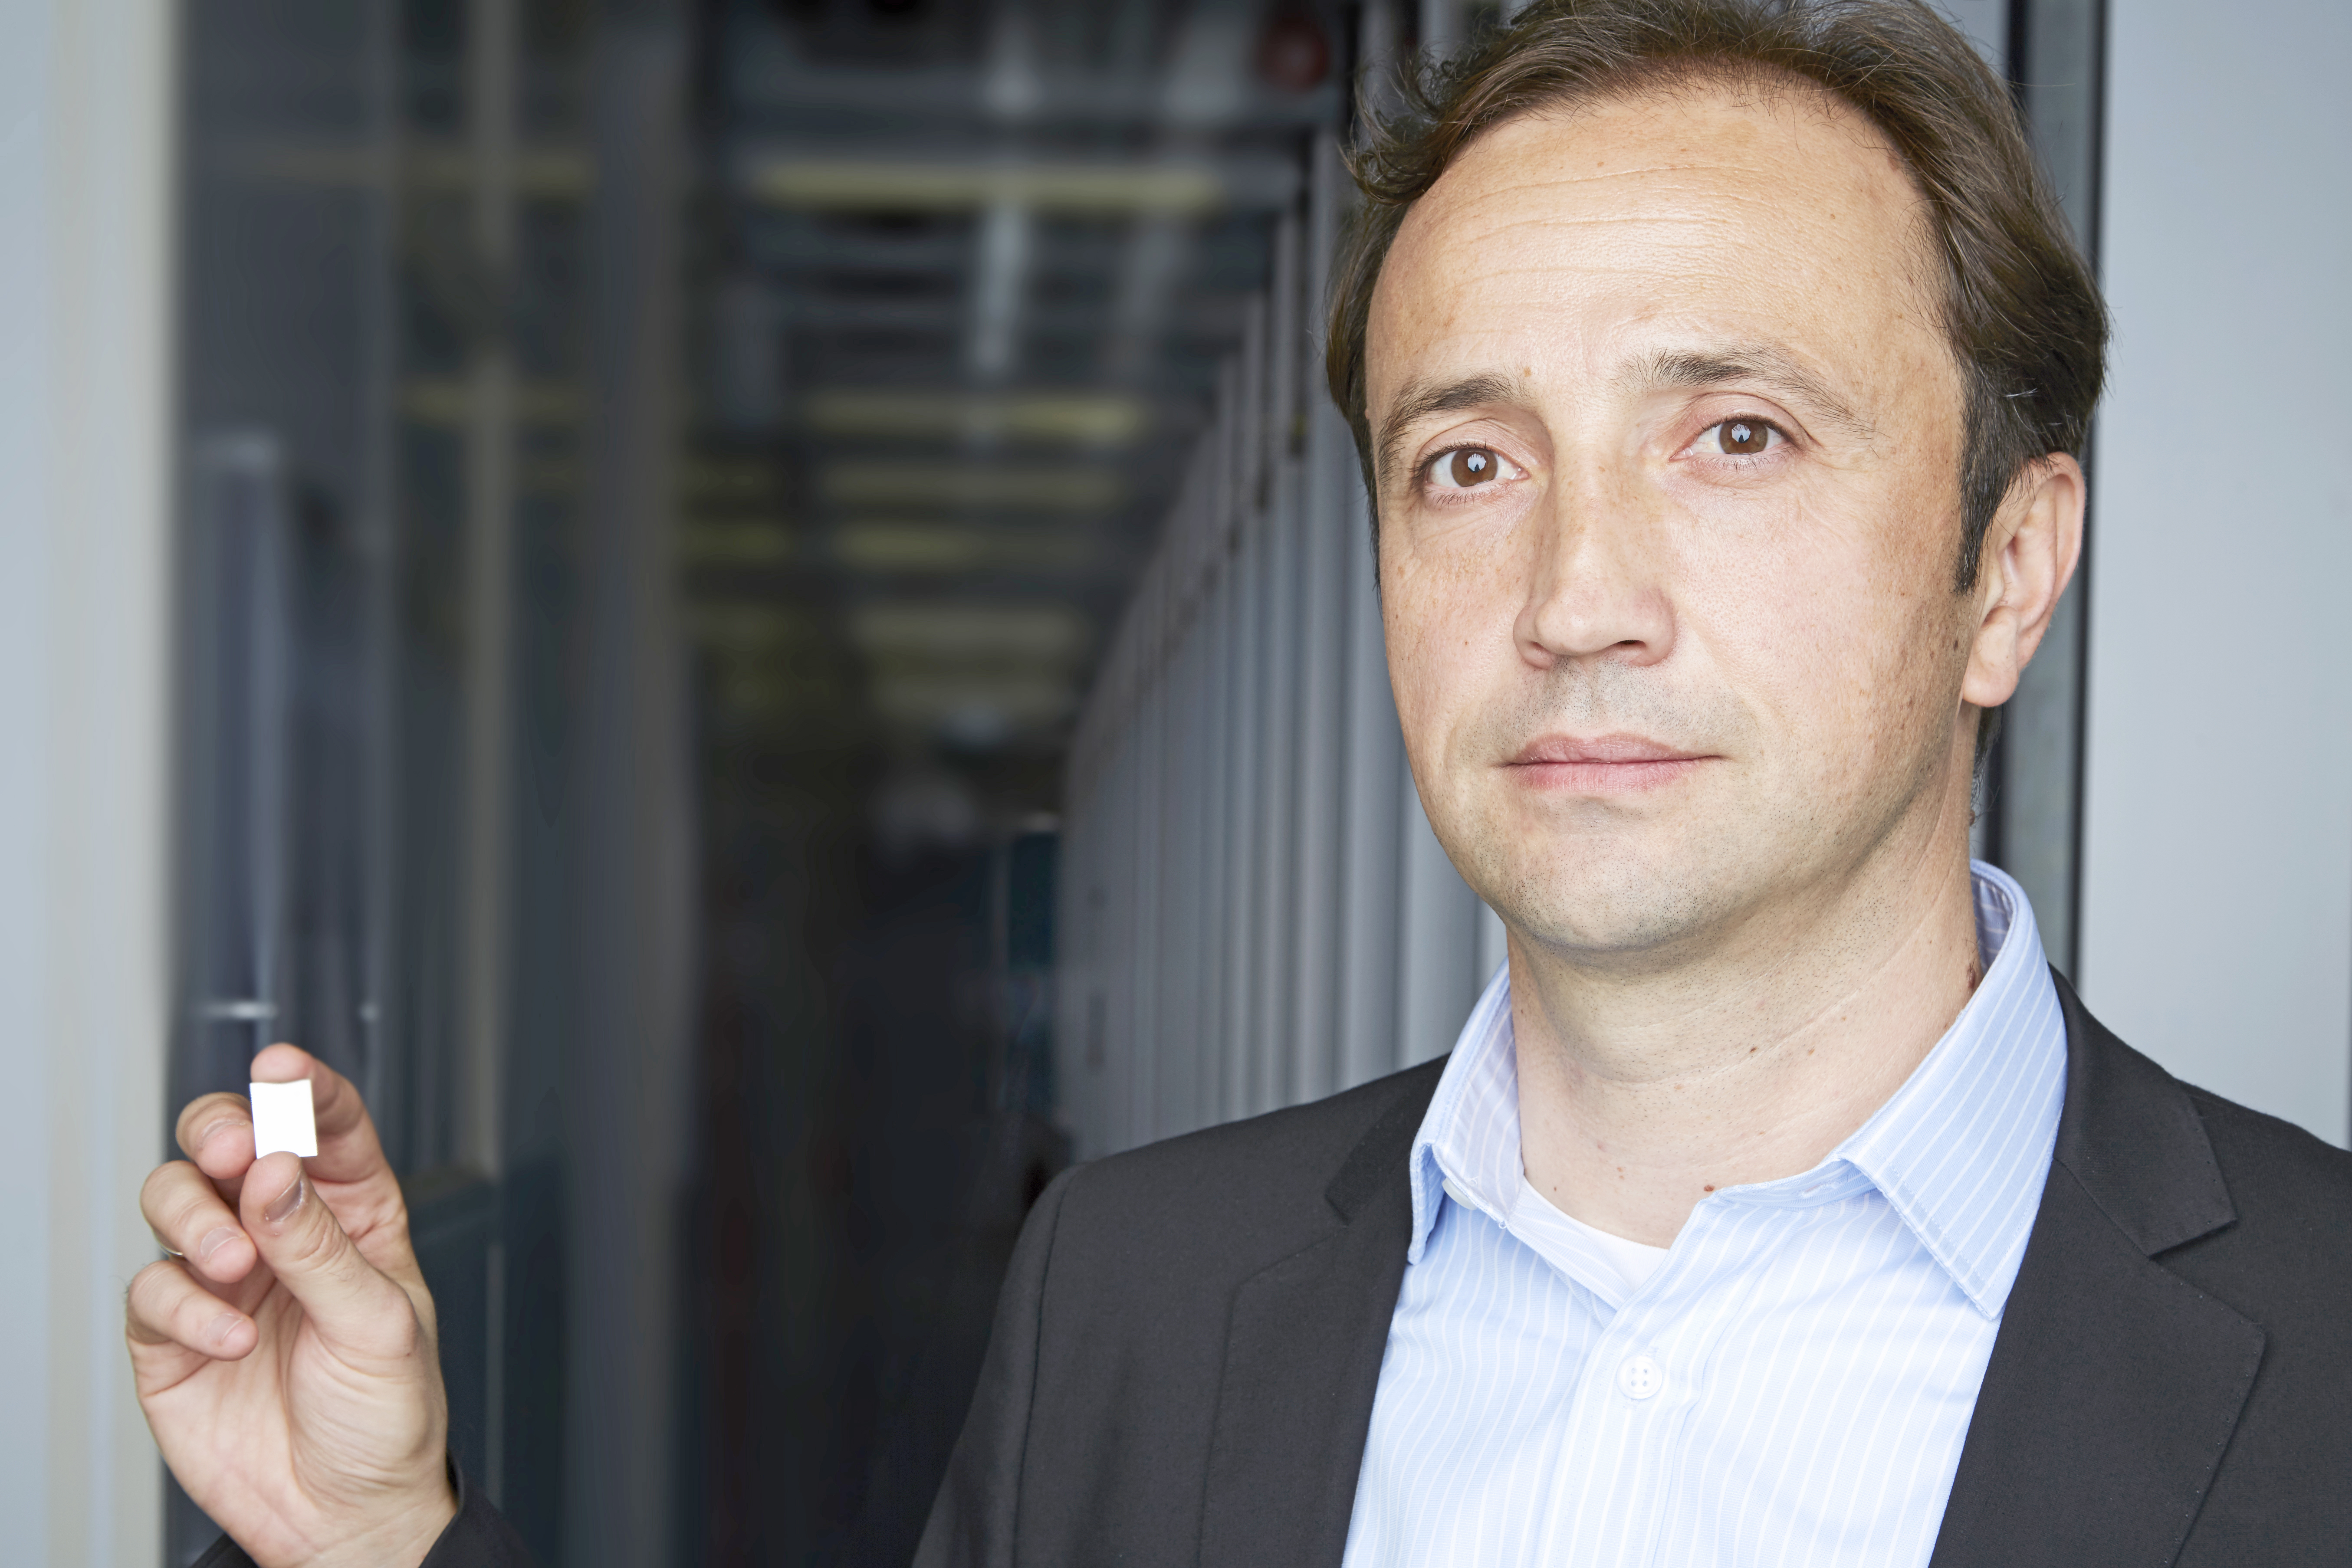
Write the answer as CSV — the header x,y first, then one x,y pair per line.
x,y
1670,438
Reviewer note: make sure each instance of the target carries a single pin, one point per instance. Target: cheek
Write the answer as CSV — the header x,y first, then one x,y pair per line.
x,y
1829,622
1448,602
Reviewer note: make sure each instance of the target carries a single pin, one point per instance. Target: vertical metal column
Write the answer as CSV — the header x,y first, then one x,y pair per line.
x,y
1215,632
1077,928
1181,1035
626,1090
1114,1051
1277,642
2058,59
1247,848
1280,493
1148,958
489,585
1325,524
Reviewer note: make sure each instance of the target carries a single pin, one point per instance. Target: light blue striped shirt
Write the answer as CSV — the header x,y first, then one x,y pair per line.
x,y
1789,1387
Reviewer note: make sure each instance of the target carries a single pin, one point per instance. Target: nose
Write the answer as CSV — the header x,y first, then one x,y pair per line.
x,y
1596,586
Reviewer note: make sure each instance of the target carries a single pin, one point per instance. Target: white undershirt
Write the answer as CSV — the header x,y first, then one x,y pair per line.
x,y
1635,1261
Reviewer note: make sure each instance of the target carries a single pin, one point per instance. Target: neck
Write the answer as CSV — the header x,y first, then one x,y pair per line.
x,y
1640,1094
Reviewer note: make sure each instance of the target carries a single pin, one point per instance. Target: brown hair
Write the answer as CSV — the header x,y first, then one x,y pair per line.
x,y
2026,323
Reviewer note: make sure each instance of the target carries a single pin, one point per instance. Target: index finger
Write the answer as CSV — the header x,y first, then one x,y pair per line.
x,y
349,1149
350,1171
215,1131
350,1168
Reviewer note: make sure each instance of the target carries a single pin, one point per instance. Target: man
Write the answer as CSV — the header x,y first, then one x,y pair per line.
x,y
1719,368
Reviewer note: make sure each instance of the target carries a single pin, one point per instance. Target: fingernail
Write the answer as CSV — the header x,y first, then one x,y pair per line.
x,y
220,1328
281,1207
214,1242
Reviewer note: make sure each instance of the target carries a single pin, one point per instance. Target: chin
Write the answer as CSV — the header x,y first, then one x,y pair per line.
x,y
1597,898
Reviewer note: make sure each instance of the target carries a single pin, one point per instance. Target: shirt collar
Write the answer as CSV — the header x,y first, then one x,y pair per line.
x,y
1959,1152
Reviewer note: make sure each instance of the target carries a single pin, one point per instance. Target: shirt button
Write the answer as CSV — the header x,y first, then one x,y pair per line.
x,y
1640,1377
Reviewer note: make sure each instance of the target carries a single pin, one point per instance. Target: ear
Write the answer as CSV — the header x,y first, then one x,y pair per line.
x,y
2029,555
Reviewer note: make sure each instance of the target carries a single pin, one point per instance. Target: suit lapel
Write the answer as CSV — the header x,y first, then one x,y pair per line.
x,y
2113,1389
1303,1361
2113,1385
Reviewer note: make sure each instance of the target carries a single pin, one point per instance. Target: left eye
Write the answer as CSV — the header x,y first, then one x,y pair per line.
x,y
1468,468
1740,437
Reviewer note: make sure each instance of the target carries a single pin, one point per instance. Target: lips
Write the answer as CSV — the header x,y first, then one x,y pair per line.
x,y
1602,764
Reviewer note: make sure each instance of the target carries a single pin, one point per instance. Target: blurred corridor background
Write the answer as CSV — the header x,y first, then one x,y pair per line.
x,y
751,612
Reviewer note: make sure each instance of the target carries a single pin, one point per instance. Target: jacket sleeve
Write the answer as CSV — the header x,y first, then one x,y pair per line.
x,y
479,1537
972,1521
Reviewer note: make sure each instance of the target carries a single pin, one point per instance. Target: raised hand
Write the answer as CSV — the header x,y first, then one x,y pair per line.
x,y
288,1360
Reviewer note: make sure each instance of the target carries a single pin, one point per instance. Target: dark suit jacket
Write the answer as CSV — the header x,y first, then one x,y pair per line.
x,y
1188,1343
1190,1337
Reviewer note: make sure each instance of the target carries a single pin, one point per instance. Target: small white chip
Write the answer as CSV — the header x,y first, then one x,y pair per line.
x,y
282,1122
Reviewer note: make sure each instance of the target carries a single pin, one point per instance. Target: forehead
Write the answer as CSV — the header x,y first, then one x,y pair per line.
x,y
1578,237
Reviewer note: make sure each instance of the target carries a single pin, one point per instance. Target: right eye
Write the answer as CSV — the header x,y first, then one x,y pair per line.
x,y
1468,468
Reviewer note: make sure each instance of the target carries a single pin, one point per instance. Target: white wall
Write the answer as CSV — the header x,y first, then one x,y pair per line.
x,y
84,179
2217,916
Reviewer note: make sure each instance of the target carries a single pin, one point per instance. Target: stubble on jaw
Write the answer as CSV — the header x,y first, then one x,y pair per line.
x,y
1577,874
1643,884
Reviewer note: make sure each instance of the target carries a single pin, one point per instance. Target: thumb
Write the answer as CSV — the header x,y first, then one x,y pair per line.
x,y
355,1307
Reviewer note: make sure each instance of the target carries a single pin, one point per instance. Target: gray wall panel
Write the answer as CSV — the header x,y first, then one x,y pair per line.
x,y
2217,919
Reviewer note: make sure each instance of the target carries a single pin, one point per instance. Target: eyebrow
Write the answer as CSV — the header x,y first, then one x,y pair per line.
x,y
1760,363
1419,399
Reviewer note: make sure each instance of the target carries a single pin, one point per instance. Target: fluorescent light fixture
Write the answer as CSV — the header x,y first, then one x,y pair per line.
x,y
1082,421
934,547
1036,632
856,184
754,543
900,484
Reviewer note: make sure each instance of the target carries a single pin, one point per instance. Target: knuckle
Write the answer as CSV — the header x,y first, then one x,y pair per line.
x,y
418,1340
151,1295
185,1212
206,1108
310,1244
156,1192
194,1312
395,1332
355,1275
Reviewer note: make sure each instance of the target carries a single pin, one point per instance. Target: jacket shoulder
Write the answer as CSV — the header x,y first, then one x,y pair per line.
x,y
2284,1263
2283,1182
1285,1155
1264,1177
1112,1343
